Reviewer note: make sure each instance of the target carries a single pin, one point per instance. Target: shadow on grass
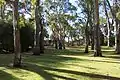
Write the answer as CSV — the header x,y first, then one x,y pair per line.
x,y
41,71
113,56
52,60
76,52
49,76
7,76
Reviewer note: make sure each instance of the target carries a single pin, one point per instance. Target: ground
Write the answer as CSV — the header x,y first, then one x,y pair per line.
x,y
69,64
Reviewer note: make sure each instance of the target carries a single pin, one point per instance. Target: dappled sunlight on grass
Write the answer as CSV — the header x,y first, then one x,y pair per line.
x,y
20,74
69,64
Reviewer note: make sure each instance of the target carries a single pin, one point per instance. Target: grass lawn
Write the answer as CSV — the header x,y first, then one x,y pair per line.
x,y
69,64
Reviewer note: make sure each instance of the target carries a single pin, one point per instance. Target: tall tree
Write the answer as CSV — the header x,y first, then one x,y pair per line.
x,y
97,51
116,24
108,23
39,44
17,46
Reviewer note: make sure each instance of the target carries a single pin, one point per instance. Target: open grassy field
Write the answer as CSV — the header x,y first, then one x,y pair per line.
x,y
69,64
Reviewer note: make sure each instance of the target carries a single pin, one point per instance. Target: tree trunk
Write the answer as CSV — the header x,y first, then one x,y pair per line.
x,y
2,11
41,37
17,46
56,44
118,38
115,21
37,25
92,39
60,44
108,24
87,38
68,41
63,43
97,51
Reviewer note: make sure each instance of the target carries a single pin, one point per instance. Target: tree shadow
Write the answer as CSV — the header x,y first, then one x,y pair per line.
x,y
87,67
7,76
106,61
113,56
42,72
75,52
51,60
49,76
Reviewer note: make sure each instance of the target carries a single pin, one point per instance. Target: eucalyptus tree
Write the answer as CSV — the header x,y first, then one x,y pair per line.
x,y
39,39
108,23
16,33
97,50
87,8
58,19
114,9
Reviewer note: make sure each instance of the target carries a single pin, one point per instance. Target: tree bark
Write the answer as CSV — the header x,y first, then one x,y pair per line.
x,y
17,46
37,32
2,11
41,37
63,41
115,21
92,38
108,24
36,49
86,37
97,51
118,38
68,41
56,43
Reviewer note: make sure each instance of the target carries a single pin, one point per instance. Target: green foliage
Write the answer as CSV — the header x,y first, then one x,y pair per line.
x,y
6,37
26,37
102,20
118,15
1,2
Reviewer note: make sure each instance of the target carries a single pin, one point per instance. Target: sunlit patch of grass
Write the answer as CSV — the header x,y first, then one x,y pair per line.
x,y
69,64
21,74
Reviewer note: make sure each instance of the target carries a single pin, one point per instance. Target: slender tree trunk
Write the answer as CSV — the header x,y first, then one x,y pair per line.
x,y
118,38
41,37
108,24
87,37
60,41
2,11
97,51
63,41
72,42
36,50
56,43
68,41
60,44
92,38
37,33
17,47
116,28
115,21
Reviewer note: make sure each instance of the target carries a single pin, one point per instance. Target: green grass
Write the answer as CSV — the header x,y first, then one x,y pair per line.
x,y
69,64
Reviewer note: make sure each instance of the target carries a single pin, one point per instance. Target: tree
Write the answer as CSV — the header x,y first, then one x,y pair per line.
x,y
97,51
17,46
39,30
108,23
114,11
87,9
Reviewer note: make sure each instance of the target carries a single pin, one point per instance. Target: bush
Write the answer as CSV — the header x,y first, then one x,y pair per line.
x,y
26,38
7,39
